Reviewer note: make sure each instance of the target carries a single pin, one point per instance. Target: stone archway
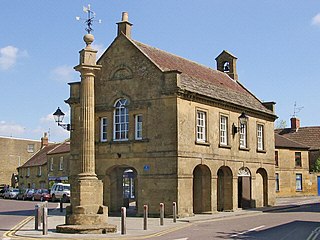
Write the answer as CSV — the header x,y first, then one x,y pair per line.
x,y
201,189
244,188
120,189
261,188
224,189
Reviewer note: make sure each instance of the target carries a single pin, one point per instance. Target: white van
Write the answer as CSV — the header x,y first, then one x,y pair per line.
x,y
60,191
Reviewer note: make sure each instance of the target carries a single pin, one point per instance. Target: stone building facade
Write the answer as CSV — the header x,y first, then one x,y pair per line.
x,y
167,130
14,152
292,169
45,167
58,164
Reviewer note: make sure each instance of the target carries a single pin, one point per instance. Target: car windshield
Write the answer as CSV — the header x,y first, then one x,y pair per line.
x,y
66,187
15,190
45,191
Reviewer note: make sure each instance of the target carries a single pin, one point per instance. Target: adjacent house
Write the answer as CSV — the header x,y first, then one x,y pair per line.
x,y
48,165
14,152
58,163
171,130
292,169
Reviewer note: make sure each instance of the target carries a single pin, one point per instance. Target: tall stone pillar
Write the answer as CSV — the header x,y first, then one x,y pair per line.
x,y
86,213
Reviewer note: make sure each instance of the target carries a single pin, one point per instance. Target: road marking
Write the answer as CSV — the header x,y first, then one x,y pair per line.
x,y
250,230
13,230
181,239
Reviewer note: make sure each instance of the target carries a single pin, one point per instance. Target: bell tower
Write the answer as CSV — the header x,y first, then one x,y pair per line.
x,y
227,63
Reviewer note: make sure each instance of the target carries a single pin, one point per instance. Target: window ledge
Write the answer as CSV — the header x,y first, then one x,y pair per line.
x,y
244,149
261,151
202,143
224,146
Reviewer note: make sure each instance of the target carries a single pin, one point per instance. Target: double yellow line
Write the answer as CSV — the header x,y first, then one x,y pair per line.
x,y
12,231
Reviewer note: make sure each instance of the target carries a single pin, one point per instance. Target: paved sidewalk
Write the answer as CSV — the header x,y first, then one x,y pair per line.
x,y
25,230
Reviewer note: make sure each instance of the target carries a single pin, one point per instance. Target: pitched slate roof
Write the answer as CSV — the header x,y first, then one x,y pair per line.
x,y
61,148
203,80
309,136
283,142
40,157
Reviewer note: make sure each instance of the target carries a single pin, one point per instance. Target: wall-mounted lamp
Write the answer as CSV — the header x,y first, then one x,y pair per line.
x,y
243,119
58,117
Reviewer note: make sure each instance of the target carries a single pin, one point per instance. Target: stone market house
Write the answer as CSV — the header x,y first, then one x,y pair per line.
x,y
292,169
167,130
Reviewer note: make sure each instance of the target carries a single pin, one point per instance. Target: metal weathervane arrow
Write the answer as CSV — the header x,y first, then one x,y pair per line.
x,y
90,18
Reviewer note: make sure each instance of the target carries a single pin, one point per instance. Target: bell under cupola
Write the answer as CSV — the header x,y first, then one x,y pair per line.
x,y
227,63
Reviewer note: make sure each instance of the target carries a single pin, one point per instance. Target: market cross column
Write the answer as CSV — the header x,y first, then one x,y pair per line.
x,y
86,213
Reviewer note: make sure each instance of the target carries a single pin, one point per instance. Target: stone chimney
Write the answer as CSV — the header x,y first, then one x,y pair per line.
x,y
124,26
295,123
44,140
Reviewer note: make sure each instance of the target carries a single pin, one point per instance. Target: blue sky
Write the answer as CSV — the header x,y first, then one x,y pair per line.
x,y
276,42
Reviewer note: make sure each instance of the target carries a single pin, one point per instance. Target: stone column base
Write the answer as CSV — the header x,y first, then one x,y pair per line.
x,y
87,229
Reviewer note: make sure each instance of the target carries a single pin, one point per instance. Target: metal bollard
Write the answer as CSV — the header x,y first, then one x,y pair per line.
x,y
161,213
36,217
174,210
45,221
123,220
145,217
61,205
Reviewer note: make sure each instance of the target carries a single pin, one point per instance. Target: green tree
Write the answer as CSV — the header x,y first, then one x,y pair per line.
x,y
317,165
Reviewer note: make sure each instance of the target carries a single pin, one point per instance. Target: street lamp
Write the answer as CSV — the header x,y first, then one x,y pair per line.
x,y
58,117
243,119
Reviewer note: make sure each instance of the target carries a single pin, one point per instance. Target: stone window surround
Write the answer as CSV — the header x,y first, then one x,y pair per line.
x,y
103,129
223,130
138,127
118,122
260,137
201,126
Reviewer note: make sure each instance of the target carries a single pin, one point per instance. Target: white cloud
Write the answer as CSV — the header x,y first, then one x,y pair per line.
x,y
316,20
64,73
8,57
11,129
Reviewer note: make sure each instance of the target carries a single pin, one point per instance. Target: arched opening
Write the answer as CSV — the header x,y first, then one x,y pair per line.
x,y
262,187
224,189
201,189
120,190
244,188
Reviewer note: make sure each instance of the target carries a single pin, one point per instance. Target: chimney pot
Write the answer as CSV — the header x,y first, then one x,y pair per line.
x,y
125,17
295,123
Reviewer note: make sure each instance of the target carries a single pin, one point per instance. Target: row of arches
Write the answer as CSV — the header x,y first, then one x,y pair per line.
x,y
202,189
121,189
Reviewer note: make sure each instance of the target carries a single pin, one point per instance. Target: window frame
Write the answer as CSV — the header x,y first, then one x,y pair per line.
x,y
243,136
223,130
103,129
30,148
299,186
61,162
297,156
201,126
138,127
28,172
276,158
51,165
277,182
120,125
40,171
260,137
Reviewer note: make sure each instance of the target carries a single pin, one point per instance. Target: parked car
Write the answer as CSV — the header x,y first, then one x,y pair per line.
x,y
2,192
11,193
41,195
60,191
30,194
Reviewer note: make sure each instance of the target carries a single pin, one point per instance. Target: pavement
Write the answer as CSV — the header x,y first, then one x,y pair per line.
x,y
134,230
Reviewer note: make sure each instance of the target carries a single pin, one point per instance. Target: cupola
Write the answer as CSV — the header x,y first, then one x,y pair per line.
x,y
226,62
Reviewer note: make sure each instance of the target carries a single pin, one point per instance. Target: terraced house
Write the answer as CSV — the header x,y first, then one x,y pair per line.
x,y
168,129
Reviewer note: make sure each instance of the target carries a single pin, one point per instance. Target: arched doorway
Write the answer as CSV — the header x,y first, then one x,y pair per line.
x,y
201,189
120,190
262,187
244,188
224,189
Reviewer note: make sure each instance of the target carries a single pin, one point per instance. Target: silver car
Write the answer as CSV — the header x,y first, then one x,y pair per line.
x,y
11,193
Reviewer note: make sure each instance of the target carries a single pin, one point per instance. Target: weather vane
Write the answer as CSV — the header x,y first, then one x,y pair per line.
x,y
89,20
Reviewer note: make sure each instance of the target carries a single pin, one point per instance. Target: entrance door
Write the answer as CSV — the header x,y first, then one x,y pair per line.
x,y
244,188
